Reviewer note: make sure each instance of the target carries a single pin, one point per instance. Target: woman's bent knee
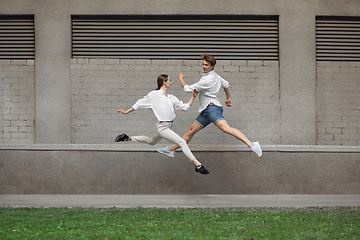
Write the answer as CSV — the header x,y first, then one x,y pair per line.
x,y
151,142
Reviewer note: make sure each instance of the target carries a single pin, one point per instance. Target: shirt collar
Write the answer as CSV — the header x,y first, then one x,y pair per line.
x,y
208,73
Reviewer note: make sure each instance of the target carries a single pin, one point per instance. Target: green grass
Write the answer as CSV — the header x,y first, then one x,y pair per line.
x,y
179,223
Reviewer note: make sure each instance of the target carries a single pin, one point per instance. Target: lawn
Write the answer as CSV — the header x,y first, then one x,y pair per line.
x,y
180,223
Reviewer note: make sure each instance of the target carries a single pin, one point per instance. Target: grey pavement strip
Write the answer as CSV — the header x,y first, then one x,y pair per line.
x,y
182,201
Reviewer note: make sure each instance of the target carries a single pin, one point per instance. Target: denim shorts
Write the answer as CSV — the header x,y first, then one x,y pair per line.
x,y
211,114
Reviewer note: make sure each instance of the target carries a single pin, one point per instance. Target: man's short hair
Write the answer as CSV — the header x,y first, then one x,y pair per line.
x,y
209,58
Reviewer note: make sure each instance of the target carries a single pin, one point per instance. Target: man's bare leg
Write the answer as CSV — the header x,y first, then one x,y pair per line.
x,y
254,146
194,128
224,126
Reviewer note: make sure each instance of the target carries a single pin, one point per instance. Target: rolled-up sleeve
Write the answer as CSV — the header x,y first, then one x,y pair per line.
x,y
224,83
200,85
188,88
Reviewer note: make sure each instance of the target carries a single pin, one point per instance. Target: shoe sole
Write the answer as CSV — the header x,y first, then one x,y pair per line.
x,y
165,153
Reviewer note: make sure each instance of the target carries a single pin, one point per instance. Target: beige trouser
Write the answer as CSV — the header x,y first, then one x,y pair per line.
x,y
163,130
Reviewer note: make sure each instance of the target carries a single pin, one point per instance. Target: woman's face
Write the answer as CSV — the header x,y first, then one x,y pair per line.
x,y
168,83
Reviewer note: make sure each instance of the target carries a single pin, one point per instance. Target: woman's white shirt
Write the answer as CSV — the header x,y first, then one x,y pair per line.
x,y
163,106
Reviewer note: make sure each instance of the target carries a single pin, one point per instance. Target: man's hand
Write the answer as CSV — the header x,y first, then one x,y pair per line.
x,y
181,76
195,92
228,103
181,79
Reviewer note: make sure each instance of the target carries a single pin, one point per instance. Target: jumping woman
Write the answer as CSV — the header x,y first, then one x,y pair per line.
x,y
163,105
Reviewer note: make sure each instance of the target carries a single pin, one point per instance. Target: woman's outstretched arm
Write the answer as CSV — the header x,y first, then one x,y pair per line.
x,y
125,112
194,94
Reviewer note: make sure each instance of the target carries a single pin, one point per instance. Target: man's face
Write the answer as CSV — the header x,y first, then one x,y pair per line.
x,y
207,66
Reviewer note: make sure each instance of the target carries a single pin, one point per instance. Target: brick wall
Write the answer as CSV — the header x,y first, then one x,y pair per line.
x,y
101,86
338,103
17,99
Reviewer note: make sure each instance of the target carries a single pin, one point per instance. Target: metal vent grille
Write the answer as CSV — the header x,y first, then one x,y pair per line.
x,y
337,39
17,37
175,37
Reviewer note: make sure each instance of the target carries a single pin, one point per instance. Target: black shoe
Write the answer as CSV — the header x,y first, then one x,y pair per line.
x,y
201,170
122,137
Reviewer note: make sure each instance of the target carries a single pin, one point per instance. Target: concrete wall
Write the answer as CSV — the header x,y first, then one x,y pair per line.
x,y
279,171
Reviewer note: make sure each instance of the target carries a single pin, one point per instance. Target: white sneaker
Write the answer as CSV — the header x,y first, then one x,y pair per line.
x,y
256,149
166,151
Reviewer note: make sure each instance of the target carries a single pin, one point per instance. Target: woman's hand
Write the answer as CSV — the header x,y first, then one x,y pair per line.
x,y
125,112
194,94
121,111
